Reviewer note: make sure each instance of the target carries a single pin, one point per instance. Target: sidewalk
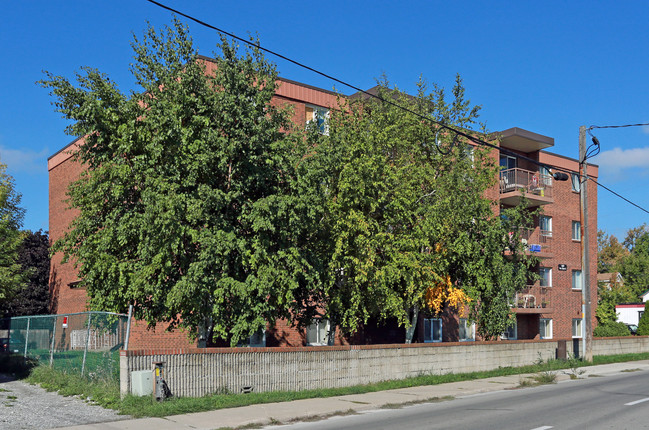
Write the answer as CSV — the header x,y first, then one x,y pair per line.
x,y
269,413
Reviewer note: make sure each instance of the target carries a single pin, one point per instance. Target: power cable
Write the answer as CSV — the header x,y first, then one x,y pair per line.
x,y
591,153
618,195
618,126
297,63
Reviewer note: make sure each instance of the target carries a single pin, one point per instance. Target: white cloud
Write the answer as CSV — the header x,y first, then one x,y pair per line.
x,y
618,159
24,161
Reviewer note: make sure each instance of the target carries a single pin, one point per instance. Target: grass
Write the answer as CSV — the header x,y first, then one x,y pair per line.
x,y
105,392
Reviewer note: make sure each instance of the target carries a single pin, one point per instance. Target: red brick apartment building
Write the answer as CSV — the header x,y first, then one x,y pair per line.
x,y
549,309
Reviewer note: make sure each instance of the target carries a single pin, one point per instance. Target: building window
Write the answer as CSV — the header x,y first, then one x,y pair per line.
x,y
574,179
467,330
317,333
577,327
432,330
258,339
576,230
511,332
640,313
507,162
546,276
546,177
545,328
320,116
545,225
469,151
577,280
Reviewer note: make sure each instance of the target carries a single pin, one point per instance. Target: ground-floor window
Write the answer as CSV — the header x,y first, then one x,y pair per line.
x,y
258,339
432,330
317,333
511,333
576,327
467,330
545,328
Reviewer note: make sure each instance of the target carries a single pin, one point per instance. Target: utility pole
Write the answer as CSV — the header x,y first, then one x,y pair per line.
x,y
587,327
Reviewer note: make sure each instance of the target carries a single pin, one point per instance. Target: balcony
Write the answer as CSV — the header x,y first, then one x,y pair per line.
x,y
533,299
537,242
518,183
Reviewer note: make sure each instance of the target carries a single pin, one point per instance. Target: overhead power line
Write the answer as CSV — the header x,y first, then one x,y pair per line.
x,y
618,195
358,89
466,135
618,126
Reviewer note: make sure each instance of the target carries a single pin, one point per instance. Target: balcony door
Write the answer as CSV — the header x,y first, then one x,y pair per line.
x,y
507,162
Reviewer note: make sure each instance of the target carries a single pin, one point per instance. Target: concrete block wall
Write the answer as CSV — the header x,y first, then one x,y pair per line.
x,y
198,372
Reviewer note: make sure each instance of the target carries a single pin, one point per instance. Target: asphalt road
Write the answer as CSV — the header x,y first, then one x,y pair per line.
x,y
612,402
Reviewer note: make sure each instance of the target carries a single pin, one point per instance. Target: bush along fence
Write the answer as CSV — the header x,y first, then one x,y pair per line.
x,y
198,372
87,343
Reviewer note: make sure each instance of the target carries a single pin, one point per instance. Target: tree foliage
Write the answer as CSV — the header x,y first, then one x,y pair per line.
x,y
610,252
11,217
631,259
611,329
202,207
185,204
33,296
633,264
609,295
643,325
407,218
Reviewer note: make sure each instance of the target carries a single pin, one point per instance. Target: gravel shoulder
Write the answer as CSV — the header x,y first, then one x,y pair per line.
x,y
24,406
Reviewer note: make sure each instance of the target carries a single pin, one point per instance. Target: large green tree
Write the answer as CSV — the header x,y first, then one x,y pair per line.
x,y
33,295
11,217
610,252
186,208
634,266
405,214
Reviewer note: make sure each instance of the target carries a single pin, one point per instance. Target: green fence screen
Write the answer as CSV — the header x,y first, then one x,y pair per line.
x,y
87,343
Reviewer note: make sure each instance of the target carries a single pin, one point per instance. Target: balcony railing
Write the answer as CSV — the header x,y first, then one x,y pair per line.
x,y
534,297
536,240
534,183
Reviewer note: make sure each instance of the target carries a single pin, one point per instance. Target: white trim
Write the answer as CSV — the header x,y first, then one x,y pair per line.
x,y
549,328
467,328
319,341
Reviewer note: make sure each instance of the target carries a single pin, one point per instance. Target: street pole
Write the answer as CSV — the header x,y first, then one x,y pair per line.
x,y
587,328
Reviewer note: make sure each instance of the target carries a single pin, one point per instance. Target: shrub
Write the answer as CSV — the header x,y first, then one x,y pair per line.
x,y
643,325
611,329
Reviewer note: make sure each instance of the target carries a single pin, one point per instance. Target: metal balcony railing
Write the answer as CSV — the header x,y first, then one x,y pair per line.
x,y
513,180
536,240
533,297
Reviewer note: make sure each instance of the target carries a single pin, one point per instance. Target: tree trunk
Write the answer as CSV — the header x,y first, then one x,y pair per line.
x,y
331,335
410,331
205,333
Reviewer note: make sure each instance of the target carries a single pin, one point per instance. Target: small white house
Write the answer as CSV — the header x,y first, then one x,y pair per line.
x,y
630,313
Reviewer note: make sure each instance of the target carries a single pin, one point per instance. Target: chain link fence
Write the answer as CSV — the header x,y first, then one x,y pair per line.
x,y
87,343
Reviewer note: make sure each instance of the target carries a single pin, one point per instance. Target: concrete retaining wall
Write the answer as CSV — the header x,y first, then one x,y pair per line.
x,y
197,372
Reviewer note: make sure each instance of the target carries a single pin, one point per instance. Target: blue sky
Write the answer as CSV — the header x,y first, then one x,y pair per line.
x,y
547,67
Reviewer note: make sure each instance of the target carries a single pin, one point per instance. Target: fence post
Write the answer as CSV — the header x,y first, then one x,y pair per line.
x,y
26,337
85,351
128,327
53,340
